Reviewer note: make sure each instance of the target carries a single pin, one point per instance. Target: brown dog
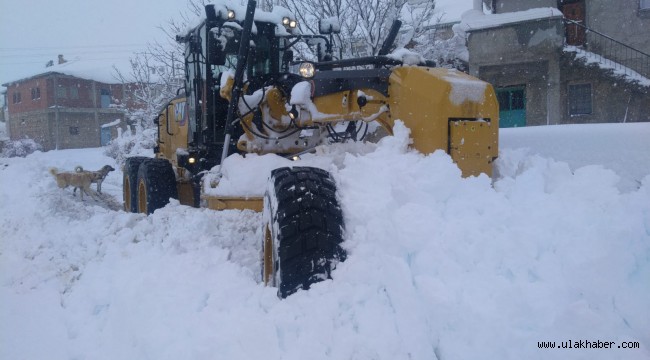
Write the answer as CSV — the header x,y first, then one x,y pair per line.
x,y
96,176
81,180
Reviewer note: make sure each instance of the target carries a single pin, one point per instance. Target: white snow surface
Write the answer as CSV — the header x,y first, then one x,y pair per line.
x,y
438,267
475,20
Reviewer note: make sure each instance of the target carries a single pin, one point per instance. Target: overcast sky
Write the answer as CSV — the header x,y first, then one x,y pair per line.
x,y
32,32
35,31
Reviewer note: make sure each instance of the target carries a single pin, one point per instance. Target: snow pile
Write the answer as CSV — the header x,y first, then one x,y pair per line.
x,y
438,267
625,149
128,143
21,147
406,56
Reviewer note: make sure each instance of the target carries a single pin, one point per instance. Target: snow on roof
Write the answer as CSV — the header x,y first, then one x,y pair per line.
x,y
475,20
98,70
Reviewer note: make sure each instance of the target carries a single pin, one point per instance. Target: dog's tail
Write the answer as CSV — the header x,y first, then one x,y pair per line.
x,y
53,171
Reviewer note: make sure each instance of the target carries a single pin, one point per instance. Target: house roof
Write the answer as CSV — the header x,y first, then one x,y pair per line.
x,y
478,21
98,70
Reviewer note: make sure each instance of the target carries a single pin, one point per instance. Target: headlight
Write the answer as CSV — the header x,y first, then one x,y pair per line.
x,y
307,70
231,14
191,160
285,21
293,113
293,24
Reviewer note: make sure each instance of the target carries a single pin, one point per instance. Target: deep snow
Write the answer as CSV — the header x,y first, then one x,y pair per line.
x,y
557,248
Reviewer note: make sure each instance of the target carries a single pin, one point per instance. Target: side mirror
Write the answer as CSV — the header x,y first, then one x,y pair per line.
x,y
329,26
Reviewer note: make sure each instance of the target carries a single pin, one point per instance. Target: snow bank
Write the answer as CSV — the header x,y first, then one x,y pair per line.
x,y
439,267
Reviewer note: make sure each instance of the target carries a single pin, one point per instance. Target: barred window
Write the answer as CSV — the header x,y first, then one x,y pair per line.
x,y
74,130
580,99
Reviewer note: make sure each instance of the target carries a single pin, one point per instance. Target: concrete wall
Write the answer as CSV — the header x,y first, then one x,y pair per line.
x,y
621,20
533,76
613,100
522,54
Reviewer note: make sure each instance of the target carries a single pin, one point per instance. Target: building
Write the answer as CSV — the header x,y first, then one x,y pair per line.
x,y
563,61
69,105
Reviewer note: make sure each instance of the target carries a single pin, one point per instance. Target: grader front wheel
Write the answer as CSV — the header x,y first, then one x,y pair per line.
x,y
303,229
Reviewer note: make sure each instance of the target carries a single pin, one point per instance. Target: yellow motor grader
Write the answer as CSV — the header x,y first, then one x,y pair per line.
x,y
245,93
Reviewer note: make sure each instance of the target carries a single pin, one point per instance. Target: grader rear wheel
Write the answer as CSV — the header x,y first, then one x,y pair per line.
x,y
303,229
156,185
130,183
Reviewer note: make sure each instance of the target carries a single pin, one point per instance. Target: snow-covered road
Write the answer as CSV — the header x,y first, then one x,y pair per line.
x,y
557,248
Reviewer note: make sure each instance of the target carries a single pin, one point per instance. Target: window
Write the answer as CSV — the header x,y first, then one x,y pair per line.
x,y
644,4
36,93
105,98
580,99
60,92
518,100
74,92
74,130
511,99
16,98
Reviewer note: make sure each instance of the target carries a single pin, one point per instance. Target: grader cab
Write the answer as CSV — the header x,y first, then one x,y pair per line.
x,y
246,93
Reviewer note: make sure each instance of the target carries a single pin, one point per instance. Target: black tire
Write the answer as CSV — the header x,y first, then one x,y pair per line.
x,y
130,183
303,229
156,185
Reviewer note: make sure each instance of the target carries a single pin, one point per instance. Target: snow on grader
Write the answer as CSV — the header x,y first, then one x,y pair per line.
x,y
245,93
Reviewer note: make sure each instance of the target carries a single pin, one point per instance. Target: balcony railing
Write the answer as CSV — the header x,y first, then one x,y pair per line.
x,y
614,53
